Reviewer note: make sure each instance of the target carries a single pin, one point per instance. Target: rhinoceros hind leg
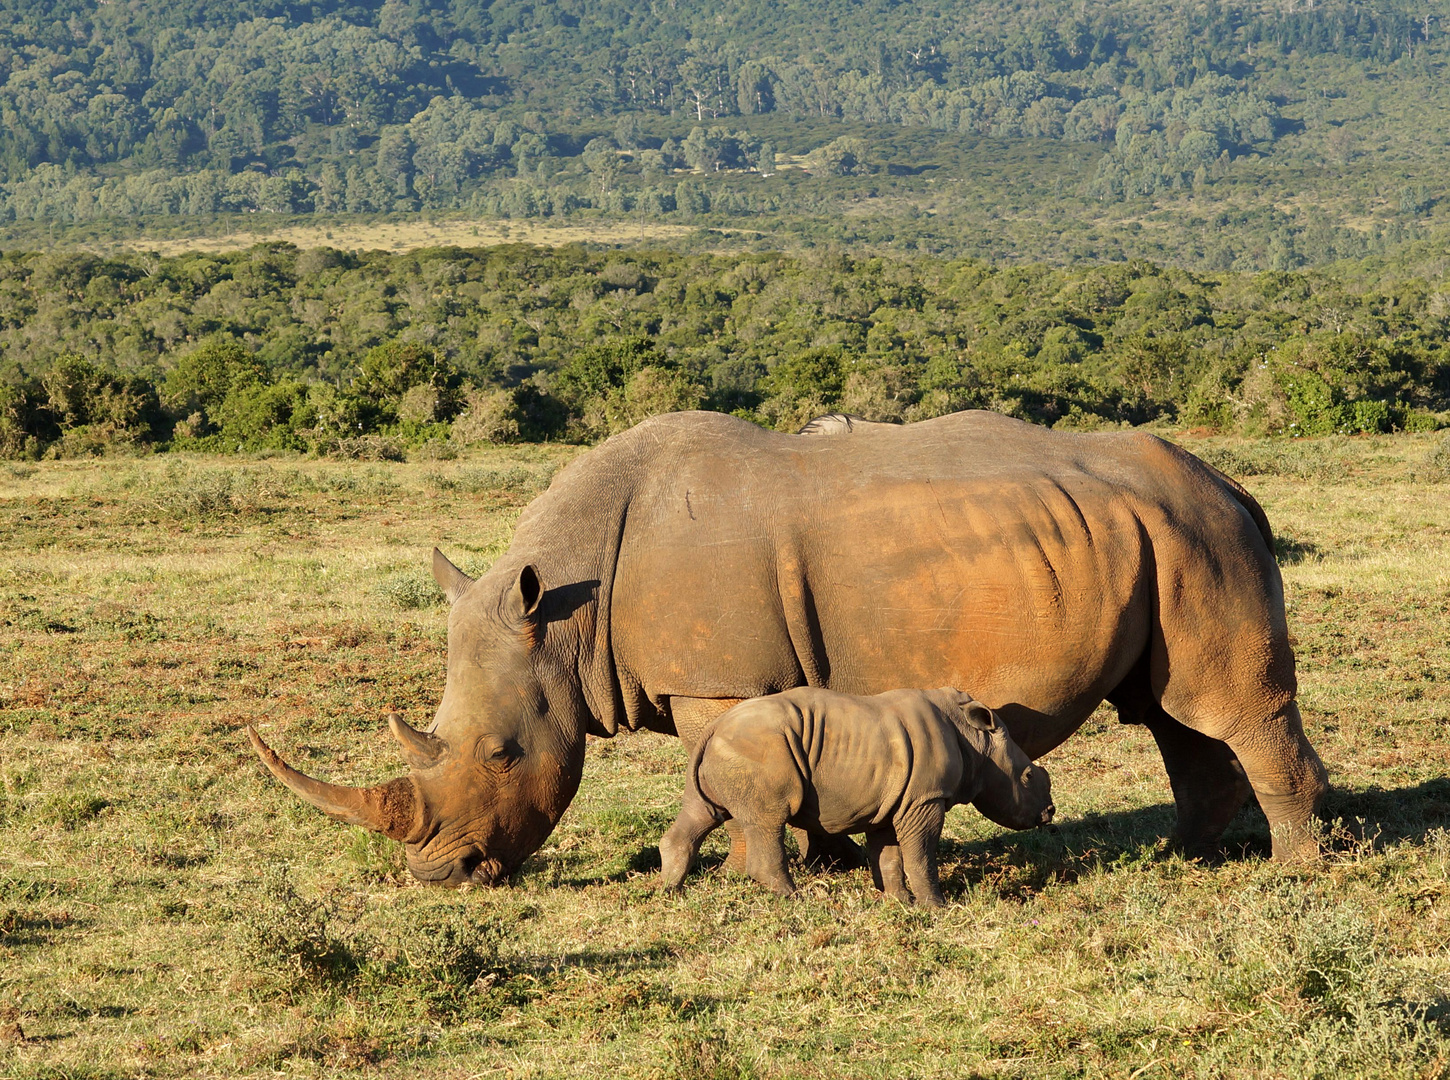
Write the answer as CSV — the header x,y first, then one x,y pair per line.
x,y
691,716
682,842
826,852
1288,779
738,861
1209,785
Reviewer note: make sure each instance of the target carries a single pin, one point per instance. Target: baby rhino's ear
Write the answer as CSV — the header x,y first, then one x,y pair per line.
x,y
977,715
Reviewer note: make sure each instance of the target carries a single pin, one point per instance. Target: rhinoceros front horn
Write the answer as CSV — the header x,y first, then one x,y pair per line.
x,y
390,808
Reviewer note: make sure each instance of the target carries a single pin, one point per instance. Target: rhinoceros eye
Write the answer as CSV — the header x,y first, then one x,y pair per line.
x,y
497,751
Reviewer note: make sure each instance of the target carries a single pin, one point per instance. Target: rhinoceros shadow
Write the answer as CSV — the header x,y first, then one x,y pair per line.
x,y
1026,861
1391,815
1023,862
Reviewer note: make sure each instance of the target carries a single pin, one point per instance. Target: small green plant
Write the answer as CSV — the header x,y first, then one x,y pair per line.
x,y
291,937
1437,462
410,590
441,955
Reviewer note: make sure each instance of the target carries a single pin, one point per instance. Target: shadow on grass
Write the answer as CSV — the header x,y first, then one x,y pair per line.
x,y
1025,862
1021,863
618,961
1392,814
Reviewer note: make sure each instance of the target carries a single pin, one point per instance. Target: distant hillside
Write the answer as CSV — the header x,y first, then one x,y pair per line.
x,y
1262,135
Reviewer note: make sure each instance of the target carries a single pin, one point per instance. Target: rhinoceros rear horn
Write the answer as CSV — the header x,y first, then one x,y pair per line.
x,y
453,581
421,749
390,808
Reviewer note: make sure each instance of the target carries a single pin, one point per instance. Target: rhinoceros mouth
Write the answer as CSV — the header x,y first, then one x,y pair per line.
x,y
469,868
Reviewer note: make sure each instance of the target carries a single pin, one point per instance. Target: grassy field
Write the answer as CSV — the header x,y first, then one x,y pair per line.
x,y
167,909
393,233
388,235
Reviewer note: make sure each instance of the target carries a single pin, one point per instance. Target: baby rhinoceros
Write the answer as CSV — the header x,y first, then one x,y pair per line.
x,y
889,766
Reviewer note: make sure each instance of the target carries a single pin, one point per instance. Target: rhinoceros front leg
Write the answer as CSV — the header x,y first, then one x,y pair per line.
x,y
1209,785
827,851
692,716
918,831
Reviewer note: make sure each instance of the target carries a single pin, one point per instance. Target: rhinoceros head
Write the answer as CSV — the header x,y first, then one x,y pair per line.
x,y
491,779
1005,786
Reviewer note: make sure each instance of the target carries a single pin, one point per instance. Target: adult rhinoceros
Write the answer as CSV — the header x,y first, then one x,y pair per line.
x,y
697,559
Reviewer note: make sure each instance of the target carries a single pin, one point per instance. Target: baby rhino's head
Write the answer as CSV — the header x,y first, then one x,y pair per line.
x,y
998,778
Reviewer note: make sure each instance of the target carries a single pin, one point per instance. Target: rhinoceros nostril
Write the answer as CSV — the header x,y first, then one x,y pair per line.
x,y
1047,814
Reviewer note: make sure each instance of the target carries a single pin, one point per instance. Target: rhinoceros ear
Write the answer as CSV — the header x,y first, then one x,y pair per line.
x,y
527,593
453,581
978,715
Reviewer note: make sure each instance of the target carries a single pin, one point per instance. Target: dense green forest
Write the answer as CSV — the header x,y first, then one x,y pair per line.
x,y
1217,136
378,354
1229,215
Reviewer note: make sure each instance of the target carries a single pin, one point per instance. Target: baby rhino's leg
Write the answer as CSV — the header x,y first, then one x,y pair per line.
x,y
885,856
765,858
680,845
749,769
918,830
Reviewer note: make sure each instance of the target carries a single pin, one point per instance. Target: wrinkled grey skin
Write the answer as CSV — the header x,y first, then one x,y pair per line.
x,y
890,765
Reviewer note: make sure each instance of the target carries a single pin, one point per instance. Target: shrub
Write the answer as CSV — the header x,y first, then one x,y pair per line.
x,y
410,590
95,408
20,422
491,416
202,378
1437,463
650,391
398,371
1342,383
595,370
610,386
444,950
292,937
845,156
257,415
520,414
363,448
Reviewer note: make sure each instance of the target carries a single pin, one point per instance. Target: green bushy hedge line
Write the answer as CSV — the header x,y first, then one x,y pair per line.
x,y
327,352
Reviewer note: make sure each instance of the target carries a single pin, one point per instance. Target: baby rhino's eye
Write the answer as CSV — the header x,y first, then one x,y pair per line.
x,y
1027,775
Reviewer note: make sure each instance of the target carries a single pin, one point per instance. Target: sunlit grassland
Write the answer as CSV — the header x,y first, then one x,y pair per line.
x,y
406,234
167,909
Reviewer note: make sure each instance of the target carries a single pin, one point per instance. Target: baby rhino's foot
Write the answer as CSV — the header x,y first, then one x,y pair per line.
x,y
781,886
